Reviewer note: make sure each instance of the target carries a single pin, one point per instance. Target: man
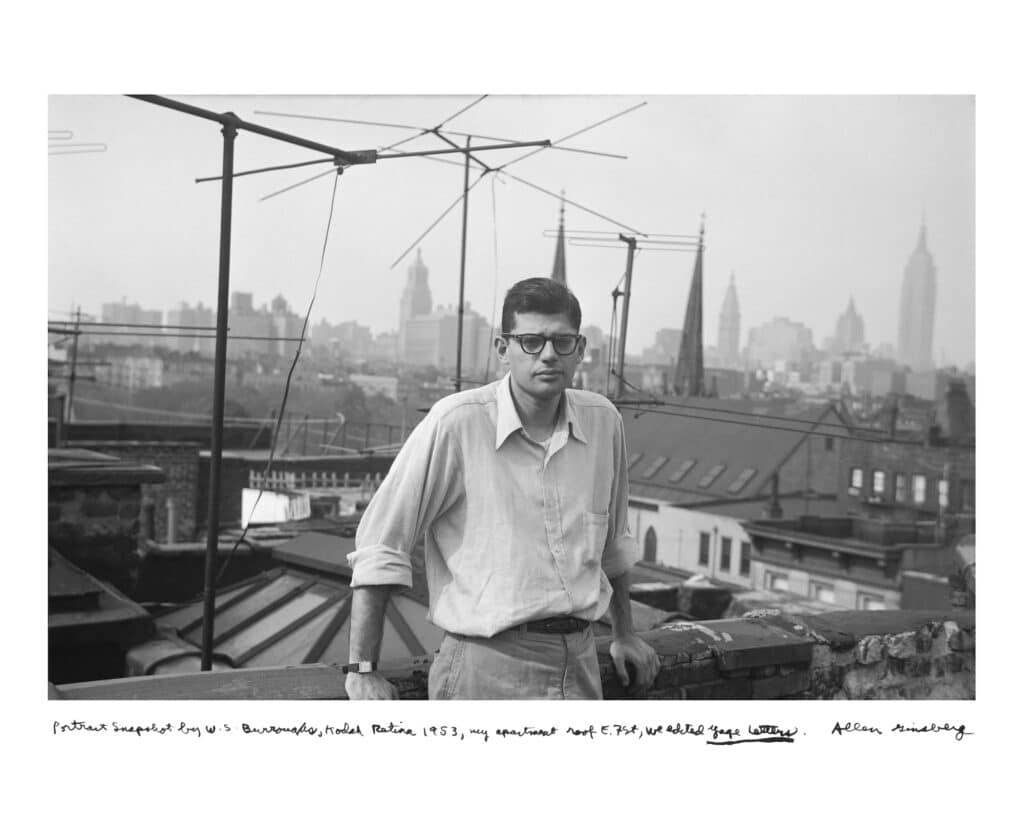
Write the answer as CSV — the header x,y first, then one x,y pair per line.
x,y
519,490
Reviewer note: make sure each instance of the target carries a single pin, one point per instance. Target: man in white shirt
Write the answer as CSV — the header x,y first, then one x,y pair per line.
x,y
519,491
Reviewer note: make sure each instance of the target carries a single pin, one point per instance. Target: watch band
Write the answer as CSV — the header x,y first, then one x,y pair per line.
x,y
360,666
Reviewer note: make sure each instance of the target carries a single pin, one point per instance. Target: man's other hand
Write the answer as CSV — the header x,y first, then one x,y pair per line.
x,y
640,656
369,686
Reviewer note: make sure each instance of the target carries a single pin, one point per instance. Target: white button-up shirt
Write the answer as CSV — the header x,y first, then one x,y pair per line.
x,y
514,530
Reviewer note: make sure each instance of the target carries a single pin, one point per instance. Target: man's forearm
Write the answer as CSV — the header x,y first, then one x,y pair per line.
x,y
619,609
367,622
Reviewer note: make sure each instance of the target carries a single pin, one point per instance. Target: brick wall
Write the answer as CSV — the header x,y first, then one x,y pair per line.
x,y
909,458
180,464
96,528
811,466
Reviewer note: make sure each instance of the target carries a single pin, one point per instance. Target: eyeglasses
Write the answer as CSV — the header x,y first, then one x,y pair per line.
x,y
533,343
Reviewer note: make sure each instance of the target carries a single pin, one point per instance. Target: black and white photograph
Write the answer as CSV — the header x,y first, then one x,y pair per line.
x,y
673,399
658,396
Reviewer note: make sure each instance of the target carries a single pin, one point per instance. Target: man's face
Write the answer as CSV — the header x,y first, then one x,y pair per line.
x,y
546,374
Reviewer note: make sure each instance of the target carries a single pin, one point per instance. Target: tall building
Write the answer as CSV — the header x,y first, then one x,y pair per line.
x,y
689,376
558,268
126,316
917,308
729,327
433,340
779,340
186,316
416,300
849,336
285,326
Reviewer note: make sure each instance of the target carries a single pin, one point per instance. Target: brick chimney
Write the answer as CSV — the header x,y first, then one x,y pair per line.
x,y
956,412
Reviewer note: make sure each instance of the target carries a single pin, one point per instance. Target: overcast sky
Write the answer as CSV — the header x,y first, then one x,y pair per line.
x,y
808,200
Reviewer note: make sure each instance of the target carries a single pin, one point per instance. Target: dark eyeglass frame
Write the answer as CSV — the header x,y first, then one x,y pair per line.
x,y
521,337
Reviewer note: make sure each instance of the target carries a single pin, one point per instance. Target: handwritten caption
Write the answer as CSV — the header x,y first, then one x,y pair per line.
x,y
710,734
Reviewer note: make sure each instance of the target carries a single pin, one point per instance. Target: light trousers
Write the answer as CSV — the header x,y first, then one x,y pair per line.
x,y
516,665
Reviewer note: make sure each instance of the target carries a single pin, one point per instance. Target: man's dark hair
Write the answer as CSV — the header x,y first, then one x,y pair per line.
x,y
539,295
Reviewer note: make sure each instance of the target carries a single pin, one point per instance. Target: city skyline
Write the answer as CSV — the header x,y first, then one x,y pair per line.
x,y
809,200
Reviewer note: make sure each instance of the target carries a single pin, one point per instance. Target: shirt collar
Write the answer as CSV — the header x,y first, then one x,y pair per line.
x,y
508,420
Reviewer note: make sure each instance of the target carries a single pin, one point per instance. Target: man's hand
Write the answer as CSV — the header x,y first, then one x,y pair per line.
x,y
369,686
644,660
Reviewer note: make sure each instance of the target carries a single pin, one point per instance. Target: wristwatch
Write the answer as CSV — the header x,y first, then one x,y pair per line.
x,y
360,666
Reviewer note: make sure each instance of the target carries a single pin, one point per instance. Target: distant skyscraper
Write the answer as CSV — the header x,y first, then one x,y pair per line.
x,y
849,331
917,308
558,269
780,340
416,299
729,326
689,376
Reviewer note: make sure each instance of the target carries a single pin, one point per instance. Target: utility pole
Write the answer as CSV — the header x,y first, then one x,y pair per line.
x,y
74,361
627,287
230,130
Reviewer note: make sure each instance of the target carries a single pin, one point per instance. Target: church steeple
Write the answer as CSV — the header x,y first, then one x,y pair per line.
x,y
558,269
689,377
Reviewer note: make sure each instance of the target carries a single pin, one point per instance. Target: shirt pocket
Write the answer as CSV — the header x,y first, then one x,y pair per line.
x,y
595,533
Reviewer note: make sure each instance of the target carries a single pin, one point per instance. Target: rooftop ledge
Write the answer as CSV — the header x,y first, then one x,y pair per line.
x,y
856,655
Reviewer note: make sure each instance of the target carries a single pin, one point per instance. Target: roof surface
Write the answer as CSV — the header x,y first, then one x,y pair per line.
x,y
677,448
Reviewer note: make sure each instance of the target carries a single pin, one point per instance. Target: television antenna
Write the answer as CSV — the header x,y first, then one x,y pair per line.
x,y
231,124
469,153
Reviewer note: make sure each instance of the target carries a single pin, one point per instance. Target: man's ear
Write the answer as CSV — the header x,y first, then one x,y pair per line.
x,y
581,347
501,348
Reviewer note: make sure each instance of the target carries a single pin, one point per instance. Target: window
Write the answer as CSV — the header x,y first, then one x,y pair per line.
x,y
705,549
725,563
633,459
967,495
742,479
856,480
650,545
684,468
943,493
710,476
900,480
744,558
920,487
776,581
656,465
830,443
865,600
826,593
878,482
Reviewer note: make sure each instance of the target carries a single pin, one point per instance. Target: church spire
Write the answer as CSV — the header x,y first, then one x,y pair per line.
x,y
689,377
558,269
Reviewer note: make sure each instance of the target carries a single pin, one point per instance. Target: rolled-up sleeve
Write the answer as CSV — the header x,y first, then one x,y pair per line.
x,y
621,550
418,488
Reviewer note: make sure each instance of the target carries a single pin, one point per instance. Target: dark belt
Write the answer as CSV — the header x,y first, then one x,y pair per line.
x,y
562,625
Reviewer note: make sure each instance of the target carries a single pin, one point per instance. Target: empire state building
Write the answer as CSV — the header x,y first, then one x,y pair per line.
x,y
917,308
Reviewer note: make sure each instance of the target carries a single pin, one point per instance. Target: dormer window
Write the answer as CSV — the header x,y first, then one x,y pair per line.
x,y
711,475
742,480
656,465
683,469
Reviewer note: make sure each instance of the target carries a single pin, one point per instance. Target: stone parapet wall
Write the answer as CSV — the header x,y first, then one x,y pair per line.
x,y
895,654
852,655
